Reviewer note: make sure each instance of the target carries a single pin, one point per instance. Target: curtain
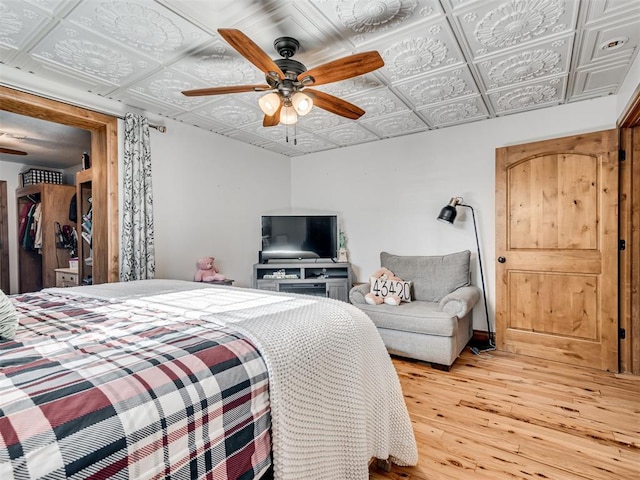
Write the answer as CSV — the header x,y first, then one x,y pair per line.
x,y
137,250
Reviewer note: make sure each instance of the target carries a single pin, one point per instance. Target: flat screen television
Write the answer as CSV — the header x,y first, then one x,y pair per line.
x,y
299,237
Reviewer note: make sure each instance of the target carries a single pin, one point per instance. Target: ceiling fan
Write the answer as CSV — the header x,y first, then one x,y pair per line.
x,y
11,151
288,80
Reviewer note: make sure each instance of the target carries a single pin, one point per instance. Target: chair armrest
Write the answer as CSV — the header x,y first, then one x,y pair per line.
x,y
461,301
357,293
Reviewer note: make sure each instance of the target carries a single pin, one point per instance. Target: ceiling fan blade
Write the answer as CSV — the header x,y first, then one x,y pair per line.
x,y
344,68
249,50
335,105
11,151
272,120
222,90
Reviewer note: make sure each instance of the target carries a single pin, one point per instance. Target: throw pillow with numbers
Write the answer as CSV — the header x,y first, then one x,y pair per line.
x,y
8,318
385,288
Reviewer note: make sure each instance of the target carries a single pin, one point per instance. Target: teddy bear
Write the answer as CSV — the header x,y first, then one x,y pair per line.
x,y
207,271
390,299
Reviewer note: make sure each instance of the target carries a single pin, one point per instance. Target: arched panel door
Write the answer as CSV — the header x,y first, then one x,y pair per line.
x,y
557,249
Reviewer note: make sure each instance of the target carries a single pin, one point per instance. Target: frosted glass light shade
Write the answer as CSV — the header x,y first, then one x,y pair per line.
x,y
288,115
269,103
302,103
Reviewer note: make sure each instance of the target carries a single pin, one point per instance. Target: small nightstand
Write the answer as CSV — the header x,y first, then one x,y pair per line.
x,y
66,277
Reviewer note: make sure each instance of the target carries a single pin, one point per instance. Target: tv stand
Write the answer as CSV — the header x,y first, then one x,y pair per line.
x,y
327,278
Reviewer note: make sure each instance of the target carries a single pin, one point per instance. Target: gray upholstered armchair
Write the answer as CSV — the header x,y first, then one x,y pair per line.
x,y
436,325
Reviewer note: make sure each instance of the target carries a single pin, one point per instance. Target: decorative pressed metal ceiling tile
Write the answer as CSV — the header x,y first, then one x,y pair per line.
x,y
348,134
144,26
320,119
18,22
166,88
77,51
351,86
548,59
511,100
364,20
378,102
394,125
230,111
465,110
442,87
220,69
491,26
49,6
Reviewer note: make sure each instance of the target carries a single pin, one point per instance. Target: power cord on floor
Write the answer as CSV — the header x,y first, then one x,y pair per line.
x,y
482,352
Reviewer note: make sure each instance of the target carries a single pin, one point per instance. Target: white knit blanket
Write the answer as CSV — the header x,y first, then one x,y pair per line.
x,y
336,400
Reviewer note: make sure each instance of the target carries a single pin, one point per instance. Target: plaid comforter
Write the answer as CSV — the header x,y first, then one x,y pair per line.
x,y
97,389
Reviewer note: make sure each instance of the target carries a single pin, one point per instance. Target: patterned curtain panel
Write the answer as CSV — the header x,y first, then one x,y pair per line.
x,y
137,243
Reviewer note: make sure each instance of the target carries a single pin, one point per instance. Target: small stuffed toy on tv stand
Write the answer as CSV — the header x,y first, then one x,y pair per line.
x,y
207,271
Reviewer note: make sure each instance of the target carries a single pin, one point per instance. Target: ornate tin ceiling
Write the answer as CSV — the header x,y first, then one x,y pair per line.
x,y
447,62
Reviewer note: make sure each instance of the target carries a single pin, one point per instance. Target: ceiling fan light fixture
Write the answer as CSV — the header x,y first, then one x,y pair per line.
x,y
269,103
288,115
302,103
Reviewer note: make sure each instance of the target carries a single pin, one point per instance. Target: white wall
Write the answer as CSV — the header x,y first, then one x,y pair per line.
x,y
388,194
209,193
9,171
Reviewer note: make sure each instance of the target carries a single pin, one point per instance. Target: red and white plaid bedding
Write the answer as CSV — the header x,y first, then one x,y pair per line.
x,y
97,389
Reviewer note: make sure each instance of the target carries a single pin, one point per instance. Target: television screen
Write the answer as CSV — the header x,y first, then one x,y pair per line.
x,y
299,236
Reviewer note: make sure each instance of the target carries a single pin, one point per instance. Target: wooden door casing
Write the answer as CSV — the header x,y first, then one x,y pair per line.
x,y
557,249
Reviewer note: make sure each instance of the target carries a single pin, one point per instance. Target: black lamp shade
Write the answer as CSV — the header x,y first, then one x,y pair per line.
x,y
448,214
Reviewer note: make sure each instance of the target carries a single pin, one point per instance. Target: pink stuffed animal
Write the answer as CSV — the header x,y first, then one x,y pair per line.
x,y
390,299
207,271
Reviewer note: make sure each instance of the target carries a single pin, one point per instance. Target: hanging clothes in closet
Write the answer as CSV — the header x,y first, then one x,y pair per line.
x,y
30,225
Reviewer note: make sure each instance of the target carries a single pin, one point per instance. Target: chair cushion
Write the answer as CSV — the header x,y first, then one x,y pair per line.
x,y
433,277
415,317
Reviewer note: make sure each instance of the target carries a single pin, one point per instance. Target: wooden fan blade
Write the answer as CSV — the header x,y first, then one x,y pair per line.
x,y
335,105
249,50
344,68
272,120
11,151
222,90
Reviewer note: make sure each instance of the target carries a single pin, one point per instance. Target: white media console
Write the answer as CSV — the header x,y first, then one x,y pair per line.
x,y
326,279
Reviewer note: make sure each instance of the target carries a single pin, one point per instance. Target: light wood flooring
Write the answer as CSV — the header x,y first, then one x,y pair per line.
x,y
500,416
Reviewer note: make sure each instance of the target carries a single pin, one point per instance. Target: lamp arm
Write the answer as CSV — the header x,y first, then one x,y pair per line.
x,y
484,292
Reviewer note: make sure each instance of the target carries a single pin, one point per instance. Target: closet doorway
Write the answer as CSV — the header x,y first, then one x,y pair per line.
x,y
104,169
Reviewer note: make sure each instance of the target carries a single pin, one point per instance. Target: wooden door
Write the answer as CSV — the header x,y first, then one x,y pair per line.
x,y
557,249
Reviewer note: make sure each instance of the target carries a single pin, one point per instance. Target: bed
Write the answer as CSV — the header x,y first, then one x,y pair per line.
x,y
168,379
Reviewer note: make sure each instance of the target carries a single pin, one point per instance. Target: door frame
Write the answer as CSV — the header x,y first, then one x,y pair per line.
x,y
629,230
104,163
4,238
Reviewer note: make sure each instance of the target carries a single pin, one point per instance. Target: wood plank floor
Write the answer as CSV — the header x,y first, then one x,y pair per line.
x,y
500,416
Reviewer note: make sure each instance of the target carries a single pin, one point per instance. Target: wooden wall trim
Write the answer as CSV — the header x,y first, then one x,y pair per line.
x,y
631,115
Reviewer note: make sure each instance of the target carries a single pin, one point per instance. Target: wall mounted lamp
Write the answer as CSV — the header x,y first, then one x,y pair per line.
x,y
448,215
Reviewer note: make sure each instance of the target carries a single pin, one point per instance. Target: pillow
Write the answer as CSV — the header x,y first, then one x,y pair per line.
x,y
382,288
8,318
433,277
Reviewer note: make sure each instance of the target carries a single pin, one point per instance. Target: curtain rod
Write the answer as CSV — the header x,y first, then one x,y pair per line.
x,y
160,128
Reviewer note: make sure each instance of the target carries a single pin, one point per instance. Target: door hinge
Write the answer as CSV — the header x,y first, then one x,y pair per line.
x,y
622,333
622,155
622,245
